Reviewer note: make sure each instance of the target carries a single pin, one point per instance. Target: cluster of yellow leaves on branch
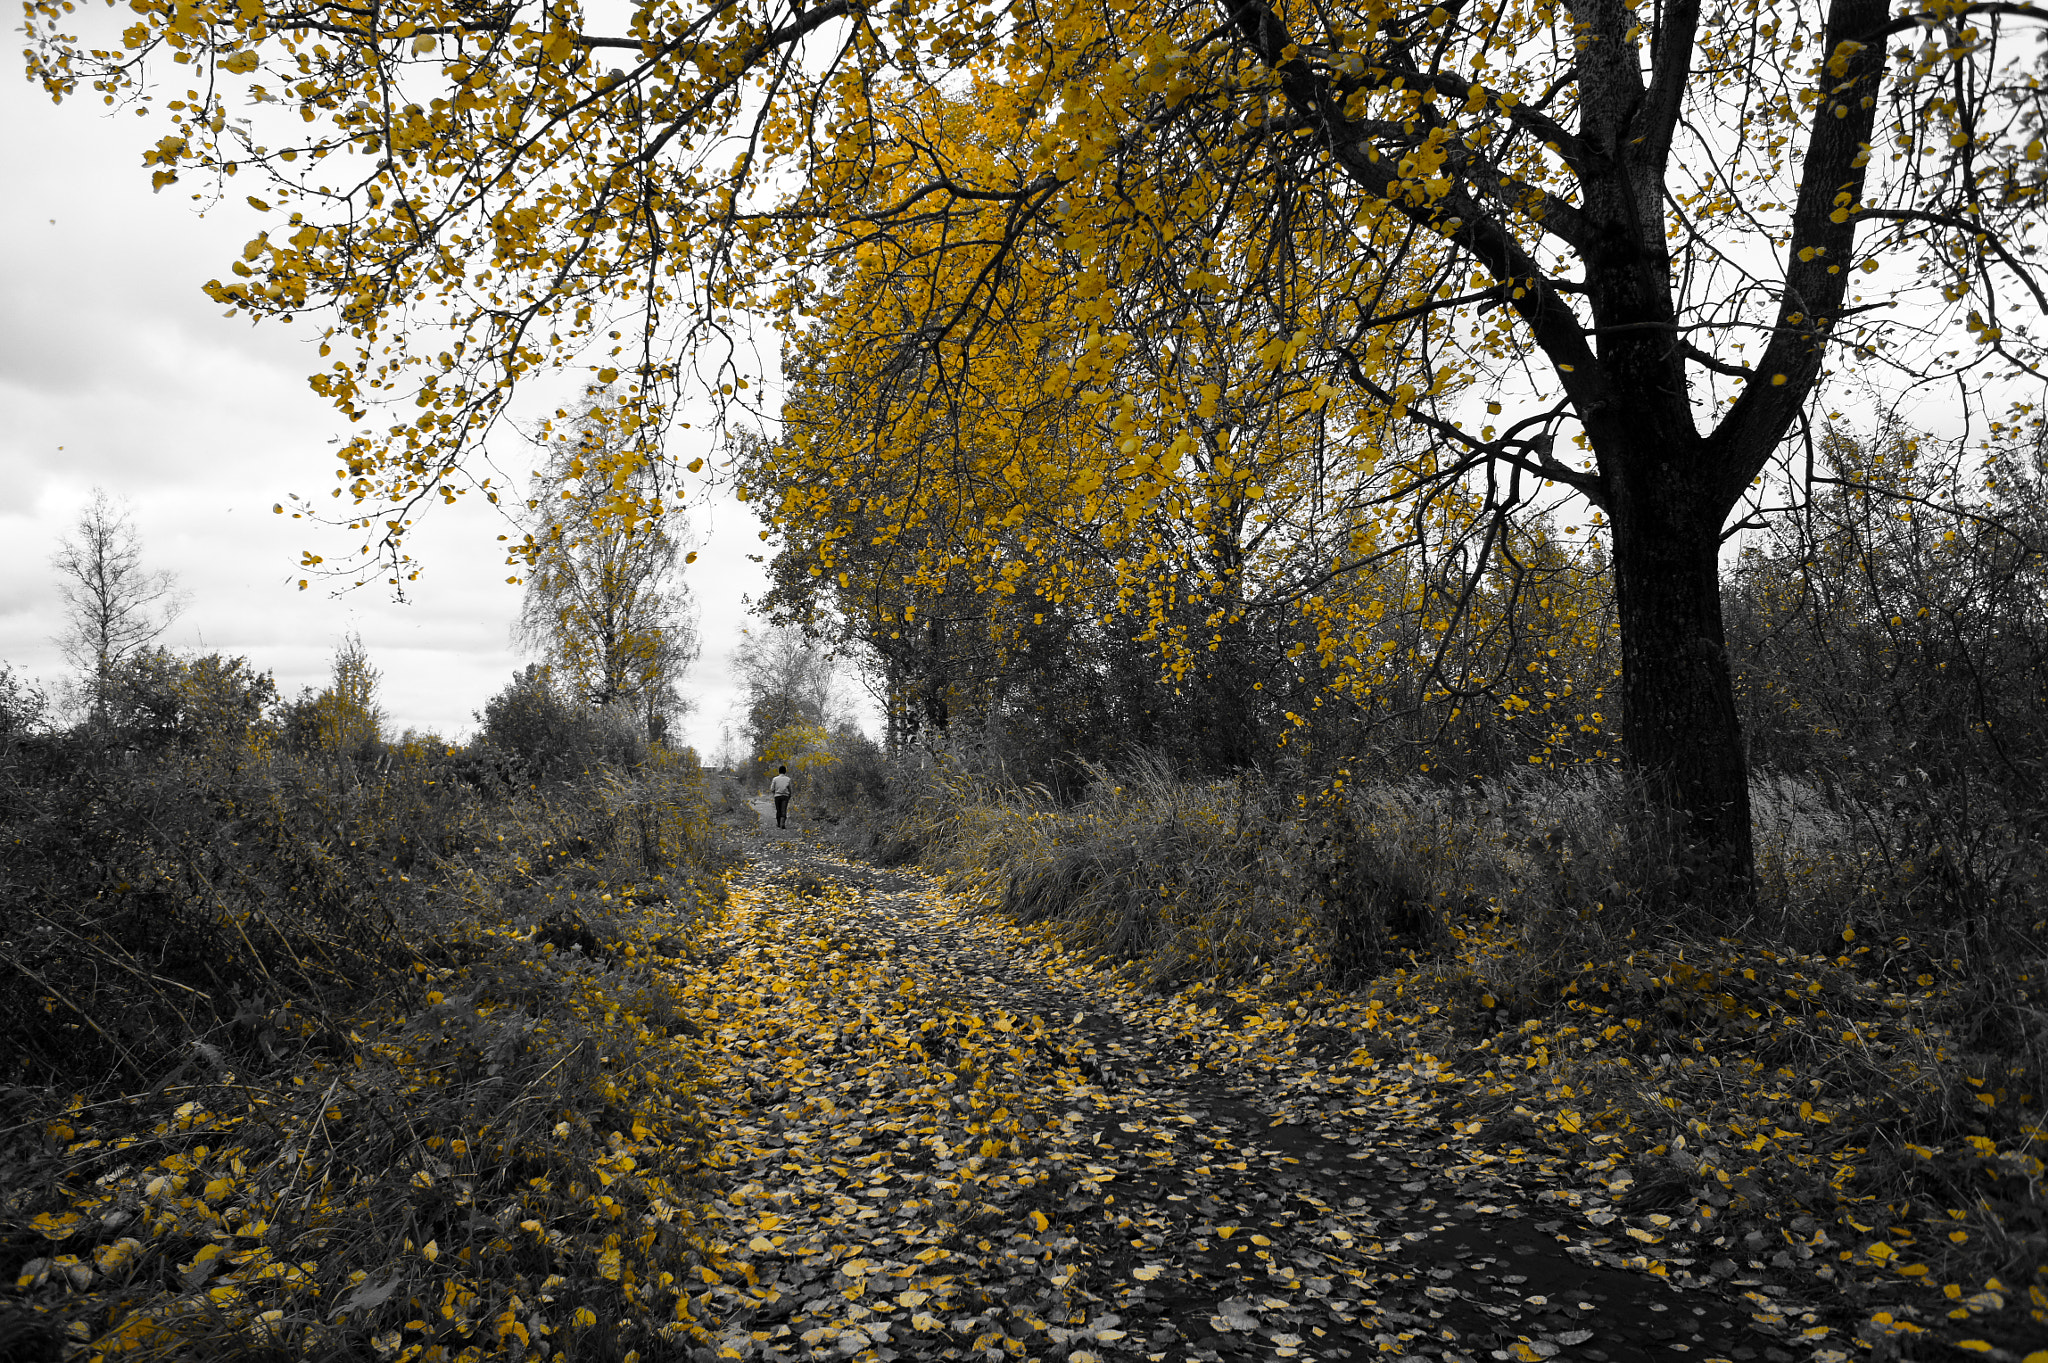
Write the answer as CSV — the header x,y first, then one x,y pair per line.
x,y
1136,450
473,197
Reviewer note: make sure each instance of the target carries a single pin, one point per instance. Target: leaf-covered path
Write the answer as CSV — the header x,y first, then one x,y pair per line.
x,y
941,1138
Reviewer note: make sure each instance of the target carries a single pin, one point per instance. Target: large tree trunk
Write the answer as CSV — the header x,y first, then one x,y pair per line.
x,y
1679,724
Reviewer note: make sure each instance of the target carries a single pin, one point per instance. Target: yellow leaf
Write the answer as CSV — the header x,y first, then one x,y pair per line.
x,y
1038,1221
117,1256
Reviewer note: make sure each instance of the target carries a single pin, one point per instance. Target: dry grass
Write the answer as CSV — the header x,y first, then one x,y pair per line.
x,y
1861,1053
472,1138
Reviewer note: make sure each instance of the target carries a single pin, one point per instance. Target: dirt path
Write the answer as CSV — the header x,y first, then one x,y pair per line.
x,y
918,1169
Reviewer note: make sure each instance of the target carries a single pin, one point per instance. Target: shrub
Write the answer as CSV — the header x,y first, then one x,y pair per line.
x,y
299,1004
552,739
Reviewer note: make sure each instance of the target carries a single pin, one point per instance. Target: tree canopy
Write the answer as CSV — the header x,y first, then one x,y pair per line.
x,y
1659,231
786,683
604,603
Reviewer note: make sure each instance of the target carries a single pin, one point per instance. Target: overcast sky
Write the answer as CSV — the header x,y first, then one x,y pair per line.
x,y
116,371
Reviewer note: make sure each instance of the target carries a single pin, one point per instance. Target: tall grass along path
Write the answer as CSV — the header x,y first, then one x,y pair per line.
x,y
945,1138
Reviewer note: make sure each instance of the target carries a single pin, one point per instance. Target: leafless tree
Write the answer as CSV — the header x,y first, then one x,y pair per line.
x,y
114,607
788,680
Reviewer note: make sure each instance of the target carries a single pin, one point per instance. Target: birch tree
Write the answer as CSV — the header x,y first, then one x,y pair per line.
x,y
604,605
114,606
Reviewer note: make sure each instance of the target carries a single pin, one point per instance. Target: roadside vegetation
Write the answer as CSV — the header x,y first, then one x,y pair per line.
x,y
1838,1073
1843,1082
327,1046
1277,464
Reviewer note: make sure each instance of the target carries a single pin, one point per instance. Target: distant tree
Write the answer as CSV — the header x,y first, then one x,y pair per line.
x,y
799,746
24,709
604,607
728,754
114,607
1900,622
424,745
157,699
788,682
343,717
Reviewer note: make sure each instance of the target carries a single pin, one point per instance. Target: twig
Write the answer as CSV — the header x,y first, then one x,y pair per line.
x,y
134,1067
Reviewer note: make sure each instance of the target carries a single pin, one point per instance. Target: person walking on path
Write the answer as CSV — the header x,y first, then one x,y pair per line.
x,y
779,788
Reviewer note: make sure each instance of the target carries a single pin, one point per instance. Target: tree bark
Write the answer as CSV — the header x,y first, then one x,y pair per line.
x,y
937,680
1679,724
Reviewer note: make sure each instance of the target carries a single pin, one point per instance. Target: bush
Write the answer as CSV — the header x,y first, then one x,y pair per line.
x,y
1194,877
549,738
851,780
24,708
306,1006
473,1149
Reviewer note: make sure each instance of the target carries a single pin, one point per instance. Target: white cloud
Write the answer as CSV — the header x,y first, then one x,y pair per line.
x,y
115,370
